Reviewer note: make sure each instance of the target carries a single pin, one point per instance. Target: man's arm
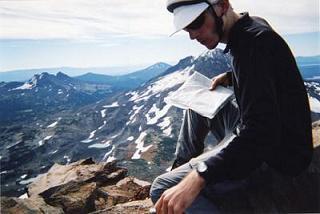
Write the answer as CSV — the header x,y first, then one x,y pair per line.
x,y
178,198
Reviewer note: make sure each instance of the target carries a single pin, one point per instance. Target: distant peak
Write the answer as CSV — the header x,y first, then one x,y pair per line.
x,y
159,65
188,59
61,75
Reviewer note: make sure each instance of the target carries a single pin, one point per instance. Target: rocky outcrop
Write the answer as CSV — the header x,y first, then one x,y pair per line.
x,y
34,205
132,207
82,187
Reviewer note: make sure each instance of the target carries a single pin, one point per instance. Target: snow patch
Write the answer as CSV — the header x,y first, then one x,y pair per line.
x,y
114,104
27,181
162,84
135,110
103,113
92,134
165,123
110,159
25,86
51,153
87,141
101,145
167,131
67,158
131,138
158,114
314,104
104,124
108,153
52,125
140,148
47,138
114,136
24,196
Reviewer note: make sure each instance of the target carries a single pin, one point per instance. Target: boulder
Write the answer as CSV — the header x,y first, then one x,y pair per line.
x,y
34,205
72,197
132,207
127,189
80,171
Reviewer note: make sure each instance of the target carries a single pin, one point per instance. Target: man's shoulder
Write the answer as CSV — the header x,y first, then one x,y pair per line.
x,y
258,32
258,28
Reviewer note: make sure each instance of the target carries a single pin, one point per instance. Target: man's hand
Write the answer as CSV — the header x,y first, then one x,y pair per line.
x,y
178,198
221,79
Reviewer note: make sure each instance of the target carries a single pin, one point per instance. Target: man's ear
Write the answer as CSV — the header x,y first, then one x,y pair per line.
x,y
224,4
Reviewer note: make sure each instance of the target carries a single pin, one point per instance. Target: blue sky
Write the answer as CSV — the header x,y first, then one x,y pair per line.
x,y
106,33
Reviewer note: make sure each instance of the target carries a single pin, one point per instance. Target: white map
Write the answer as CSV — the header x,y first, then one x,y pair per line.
x,y
195,94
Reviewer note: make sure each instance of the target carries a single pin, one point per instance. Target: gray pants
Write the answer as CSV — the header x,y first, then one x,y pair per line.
x,y
190,147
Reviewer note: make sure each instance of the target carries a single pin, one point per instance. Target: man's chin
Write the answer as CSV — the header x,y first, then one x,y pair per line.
x,y
212,46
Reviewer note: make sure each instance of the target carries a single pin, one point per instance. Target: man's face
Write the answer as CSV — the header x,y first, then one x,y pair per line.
x,y
203,29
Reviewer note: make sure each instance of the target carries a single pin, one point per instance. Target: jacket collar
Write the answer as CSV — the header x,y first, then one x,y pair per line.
x,y
235,29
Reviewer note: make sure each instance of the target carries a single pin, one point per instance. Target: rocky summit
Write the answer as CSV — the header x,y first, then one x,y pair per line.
x,y
82,187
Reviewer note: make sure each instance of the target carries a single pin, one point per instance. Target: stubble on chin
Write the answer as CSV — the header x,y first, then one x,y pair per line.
x,y
212,46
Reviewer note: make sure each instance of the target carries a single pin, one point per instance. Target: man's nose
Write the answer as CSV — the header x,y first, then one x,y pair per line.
x,y
193,34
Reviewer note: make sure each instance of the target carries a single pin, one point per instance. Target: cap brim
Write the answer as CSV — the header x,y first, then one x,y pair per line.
x,y
184,15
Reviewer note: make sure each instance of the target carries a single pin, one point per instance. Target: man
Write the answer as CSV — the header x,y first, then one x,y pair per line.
x,y
271,115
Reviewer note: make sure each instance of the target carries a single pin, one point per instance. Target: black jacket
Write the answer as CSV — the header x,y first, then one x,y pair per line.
x,y
275,125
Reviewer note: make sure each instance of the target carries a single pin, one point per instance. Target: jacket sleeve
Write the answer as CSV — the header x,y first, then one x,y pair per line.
x,y
229,76
260,125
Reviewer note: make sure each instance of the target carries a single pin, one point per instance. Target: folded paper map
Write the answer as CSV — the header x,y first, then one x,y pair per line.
x,y
195,94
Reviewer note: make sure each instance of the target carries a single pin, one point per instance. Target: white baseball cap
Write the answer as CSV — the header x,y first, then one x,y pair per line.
x,y
186,11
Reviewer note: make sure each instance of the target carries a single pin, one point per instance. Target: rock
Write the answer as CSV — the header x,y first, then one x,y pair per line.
x,y
80,171
127,189
33,205
74,187
73,197
133,207
139,189
85,186
316,133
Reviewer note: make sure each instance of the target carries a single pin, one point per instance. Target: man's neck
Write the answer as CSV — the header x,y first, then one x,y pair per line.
x,y
229,19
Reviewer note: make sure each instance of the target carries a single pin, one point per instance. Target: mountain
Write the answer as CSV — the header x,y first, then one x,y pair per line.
x,y
44,94
25,74
136,127
313,89
309,67
128,81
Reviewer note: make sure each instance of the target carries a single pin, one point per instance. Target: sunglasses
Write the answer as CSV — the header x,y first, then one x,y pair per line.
x,y
197,23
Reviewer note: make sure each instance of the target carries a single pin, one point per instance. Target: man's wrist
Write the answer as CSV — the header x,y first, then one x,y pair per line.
x,y
200,181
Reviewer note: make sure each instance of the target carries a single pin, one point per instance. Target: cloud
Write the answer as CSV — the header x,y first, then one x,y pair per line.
x,y
80,19
100,19
286,16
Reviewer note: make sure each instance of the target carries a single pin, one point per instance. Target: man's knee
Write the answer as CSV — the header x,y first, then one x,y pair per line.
x,y
157,188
